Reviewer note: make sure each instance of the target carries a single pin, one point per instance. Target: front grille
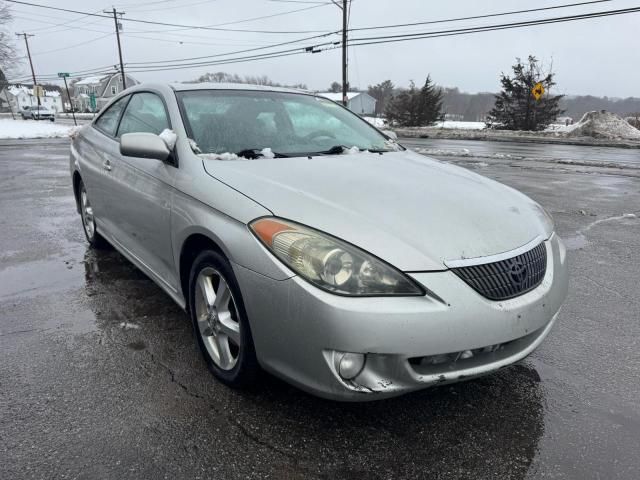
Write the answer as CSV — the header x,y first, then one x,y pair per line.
x,y
507,278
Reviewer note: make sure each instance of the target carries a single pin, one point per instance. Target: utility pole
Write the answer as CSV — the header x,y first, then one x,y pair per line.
x,y
115,21
33,75
345,82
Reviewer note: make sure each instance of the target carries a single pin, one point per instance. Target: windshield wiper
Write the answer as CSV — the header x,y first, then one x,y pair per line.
x,y
253,153
335,150
338,149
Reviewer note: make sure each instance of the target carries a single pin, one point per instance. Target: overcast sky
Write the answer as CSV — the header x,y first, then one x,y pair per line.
x,y
597,57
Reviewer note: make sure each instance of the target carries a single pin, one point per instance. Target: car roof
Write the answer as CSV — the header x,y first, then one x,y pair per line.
x,y
233,86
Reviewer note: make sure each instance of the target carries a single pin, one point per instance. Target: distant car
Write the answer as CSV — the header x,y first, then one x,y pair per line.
x,y
38,113
301,239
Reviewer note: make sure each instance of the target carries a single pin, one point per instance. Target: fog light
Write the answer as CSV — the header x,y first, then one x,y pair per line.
x,y
351,364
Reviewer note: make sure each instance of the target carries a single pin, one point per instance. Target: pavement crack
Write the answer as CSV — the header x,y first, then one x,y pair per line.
x,y
16,332
173,377
604,287
230,420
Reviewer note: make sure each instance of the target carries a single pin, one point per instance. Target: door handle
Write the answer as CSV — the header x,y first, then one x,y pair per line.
x,y
107,165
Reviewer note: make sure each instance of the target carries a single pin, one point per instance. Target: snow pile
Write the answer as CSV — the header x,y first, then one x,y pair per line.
x,y
169,137
377,121
33,129
464,152
456,125
351,151
267,153
603,124
225,157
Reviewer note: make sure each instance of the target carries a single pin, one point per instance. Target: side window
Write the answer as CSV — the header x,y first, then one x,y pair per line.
x,y
108,121
145,113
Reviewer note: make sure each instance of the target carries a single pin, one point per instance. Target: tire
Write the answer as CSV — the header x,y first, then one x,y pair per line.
x,y
89,227
220,321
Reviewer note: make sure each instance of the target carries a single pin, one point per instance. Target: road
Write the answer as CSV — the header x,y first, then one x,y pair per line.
x,y
524,150
100,376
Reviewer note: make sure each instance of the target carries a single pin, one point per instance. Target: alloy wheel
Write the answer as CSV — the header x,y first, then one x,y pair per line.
x,y
88,221
217,318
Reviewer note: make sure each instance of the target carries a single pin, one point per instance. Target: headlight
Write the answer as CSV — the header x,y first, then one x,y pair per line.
x,y
329,263
546,218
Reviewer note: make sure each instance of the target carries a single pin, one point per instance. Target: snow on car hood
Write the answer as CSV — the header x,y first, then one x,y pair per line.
x,y
415,212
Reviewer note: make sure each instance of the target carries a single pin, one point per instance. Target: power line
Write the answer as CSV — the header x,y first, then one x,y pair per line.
x,y
165,24
140,67
488,28
67,47
478,17
388,39
281,44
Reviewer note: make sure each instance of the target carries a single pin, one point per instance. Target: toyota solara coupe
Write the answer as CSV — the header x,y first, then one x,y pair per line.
x,y
305,242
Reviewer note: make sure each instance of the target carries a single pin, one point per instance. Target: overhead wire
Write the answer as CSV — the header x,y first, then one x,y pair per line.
x,y
166,65
167,24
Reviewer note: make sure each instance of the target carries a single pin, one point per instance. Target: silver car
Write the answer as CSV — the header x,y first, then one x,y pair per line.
x,y
303,241
38,113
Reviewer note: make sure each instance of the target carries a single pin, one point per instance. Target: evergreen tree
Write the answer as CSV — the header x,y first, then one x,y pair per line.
x,y
430,98
516,108
416,107
382,92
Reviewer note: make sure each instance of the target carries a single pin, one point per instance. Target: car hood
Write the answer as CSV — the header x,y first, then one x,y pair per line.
x,y
415,212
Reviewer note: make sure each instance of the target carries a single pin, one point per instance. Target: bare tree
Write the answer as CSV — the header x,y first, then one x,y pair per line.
x,y
7,51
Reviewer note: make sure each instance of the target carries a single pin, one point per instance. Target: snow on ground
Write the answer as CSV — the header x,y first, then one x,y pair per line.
x,y
33,129
453,124
377,121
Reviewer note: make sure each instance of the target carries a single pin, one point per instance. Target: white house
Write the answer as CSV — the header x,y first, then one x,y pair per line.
x,y
358,102
104,87
21,96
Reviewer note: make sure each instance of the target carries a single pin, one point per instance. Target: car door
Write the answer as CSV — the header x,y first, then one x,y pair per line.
x,y
142,192
96,151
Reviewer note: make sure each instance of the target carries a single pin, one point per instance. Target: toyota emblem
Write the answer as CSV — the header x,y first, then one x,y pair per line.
x,y
517,272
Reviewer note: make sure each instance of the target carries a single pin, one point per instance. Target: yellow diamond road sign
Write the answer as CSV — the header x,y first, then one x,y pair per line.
x,y
537,91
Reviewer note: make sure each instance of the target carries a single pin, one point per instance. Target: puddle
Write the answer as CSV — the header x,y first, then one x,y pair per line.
x,y
29,279
576,242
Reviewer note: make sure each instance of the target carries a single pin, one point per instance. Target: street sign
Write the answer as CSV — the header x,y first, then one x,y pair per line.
x,y
92,101
63,74
537,91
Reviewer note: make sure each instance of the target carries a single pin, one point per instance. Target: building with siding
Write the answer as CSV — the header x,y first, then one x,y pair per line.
x,y
358,102
104,87
21,96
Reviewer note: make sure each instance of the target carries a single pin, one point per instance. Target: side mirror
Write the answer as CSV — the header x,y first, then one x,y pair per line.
x,y
144,145
391,134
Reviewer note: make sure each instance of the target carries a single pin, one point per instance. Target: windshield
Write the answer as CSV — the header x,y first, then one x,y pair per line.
x,y
290,124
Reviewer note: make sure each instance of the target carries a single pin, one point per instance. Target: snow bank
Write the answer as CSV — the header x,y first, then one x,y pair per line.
x,y
456,125
33,129
603,124
377,121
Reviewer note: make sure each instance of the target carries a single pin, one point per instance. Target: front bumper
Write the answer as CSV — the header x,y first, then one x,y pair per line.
x,y
300,331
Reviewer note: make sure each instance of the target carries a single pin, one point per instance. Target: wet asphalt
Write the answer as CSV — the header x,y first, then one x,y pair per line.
x,y
100,376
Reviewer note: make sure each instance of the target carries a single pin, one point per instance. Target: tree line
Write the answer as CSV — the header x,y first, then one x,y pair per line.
x,y
515,107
